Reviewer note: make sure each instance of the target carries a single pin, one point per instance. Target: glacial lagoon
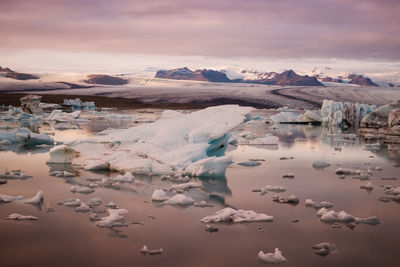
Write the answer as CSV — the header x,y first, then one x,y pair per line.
x,y
64,237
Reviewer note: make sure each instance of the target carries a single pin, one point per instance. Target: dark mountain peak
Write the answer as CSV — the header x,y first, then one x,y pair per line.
x,y
104,79
198,75
17,75
289,74
360,80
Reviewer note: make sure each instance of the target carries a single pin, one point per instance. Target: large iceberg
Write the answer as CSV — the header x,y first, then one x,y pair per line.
x,y
344,113
25,137
193,143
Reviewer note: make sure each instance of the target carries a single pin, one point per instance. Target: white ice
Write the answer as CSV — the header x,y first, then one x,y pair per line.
x,y
185,186
8,198
37,199
188,142
159,195
318,205
17,216
237,216
273,257
114,219
179,199
26,137
81,189
127,177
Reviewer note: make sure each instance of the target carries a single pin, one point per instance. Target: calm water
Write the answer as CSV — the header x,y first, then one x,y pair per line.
x,y
68,238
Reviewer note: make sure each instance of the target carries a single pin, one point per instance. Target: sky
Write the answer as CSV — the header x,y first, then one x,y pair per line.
x,y
125,34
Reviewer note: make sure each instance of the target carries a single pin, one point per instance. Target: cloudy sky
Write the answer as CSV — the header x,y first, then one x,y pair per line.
x,y
68,33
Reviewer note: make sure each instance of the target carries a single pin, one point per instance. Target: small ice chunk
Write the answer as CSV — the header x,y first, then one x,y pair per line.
x,y
202,204
83,208
37,199
81,189
7,198
144,250
320,165
94,201
273,258
211,229
344,171
115,219
292,199
367,186
237,216
392,191
112,205
331,216
17,216
127,177
68,174
180,199
159,195
272,188
323,249
318,205
372,220
185,186
209,167
73,203
48,208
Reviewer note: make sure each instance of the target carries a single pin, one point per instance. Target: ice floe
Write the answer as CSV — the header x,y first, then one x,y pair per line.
x,y
83,207
275,257
81,189
320,165
237,216
292,199
7,198
94,201
159,195
184,187
144,250
331,216
367,186
318,205
115,218
272,188
179,199
17,216
14,174
309,116
126,178
323,249
37,199
249,163
25,137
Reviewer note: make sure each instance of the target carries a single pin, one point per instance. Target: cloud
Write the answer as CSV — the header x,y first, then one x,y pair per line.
x,y
255,28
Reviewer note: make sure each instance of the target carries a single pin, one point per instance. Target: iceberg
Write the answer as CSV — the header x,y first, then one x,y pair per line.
x,y
7,198
127,177
77,103
17,216
318,205
323,249
273,258
115,219
289,117
184,187
81,189
26,137
37,199
344,114
194,142
159,195
180,199
237,216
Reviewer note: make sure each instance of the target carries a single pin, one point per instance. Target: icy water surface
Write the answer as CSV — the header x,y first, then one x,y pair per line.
x,y
67,238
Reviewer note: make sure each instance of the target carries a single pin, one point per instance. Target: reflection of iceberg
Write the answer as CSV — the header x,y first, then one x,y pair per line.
x,y
195,142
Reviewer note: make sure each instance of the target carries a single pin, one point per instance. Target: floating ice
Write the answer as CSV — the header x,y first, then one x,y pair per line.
x,y
202,204
81,189
26,137
144,250
83,208
288,175
58,115
272,188
17,216
392,191
373,220
115,218
323,249
273,258
185,186
292,199
7,198
237,216
78,103
72,203
344,171
331,216
112,205
14,174
320,165
159,195
367,186
318,205
62,154
94,201
62,174
37,199
127,177
193,142
179,199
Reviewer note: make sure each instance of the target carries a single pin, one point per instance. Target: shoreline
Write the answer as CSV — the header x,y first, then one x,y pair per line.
x,y
131,103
